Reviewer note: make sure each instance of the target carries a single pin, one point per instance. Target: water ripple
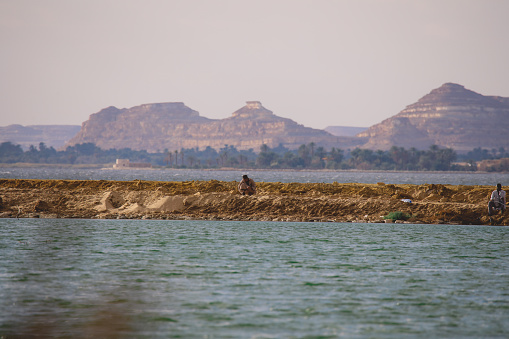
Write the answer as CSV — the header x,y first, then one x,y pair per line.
x,y
139,278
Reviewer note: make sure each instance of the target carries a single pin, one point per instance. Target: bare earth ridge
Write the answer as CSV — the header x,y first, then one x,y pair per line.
x,y
219,200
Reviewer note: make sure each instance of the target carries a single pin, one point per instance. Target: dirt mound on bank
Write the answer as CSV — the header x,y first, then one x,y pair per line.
x,y
219,200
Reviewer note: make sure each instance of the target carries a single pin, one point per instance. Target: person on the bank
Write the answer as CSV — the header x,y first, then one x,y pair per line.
x,y
247,186
497,200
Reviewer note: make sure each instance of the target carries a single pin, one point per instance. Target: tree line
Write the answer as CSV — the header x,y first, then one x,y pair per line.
x,y
307,156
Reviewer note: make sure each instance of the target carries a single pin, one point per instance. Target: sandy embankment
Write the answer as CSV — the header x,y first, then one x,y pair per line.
x,y
218,200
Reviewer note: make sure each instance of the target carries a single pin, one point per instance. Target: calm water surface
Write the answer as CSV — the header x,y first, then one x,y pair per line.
x,y
204,279
453,178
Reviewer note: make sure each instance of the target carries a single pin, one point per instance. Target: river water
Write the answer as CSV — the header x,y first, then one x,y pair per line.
x,y
372,177
217,279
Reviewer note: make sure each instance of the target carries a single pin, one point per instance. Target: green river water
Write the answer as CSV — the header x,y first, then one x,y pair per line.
x,y
214,279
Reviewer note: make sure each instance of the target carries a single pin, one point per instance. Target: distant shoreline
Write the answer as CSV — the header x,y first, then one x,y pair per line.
x,y
34,165
102,166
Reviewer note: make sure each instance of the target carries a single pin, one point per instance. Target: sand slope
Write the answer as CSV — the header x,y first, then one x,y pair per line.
x,y
219,200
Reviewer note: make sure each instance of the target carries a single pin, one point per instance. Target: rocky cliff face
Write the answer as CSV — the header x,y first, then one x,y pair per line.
x,y
449,116
155,127
151,127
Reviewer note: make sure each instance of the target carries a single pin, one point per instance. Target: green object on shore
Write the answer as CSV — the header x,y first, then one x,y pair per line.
x,y
398,216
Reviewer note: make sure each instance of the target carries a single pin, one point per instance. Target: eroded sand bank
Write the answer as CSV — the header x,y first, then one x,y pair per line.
x,y
219,200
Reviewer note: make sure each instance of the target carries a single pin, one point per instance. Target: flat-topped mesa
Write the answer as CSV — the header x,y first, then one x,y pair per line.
x,y
174,110
148,127
253,109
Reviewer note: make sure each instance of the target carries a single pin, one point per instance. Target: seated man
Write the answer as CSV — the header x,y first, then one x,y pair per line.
x,y
247,186
497,200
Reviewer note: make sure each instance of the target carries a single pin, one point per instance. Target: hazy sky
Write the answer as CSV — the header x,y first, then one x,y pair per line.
x,y
318,62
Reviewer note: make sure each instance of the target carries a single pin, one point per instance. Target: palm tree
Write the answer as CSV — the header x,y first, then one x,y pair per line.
x,y
312,146
264,148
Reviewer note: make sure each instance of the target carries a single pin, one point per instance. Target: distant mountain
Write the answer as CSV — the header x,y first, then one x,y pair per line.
x,y
345,131
449,116
51,135
172,126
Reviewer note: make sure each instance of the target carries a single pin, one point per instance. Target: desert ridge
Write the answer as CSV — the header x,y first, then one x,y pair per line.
x,y
274,201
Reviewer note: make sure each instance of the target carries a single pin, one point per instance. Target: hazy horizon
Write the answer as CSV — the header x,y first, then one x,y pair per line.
x,y
320,63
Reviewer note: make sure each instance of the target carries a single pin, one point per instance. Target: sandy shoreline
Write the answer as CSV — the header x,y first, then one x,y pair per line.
x,y
219,200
